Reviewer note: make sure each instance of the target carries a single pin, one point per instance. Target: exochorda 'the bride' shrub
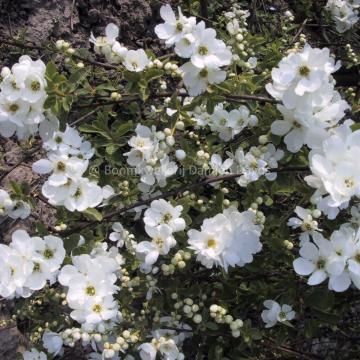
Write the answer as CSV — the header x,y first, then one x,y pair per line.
x,y
174,179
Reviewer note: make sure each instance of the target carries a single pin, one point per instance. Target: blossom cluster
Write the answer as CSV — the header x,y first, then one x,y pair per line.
x,y
161,221
14,208
345,13
337,259
194,41
165,342
149,155
114,52
90,283
256,162
27,263
227,239
227,124
310,105
67,160
335,171
22,98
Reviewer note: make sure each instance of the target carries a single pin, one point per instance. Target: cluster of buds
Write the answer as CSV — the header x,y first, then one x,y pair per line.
x,y
237,28
220,315
172,69
60,227
127,282
180,258
189,308
121,344
351,55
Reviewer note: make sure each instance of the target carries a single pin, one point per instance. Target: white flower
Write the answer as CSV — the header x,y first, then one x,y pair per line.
x,y
162,212
161,243
62,167
196,80
314,260
302,73
53,253
209,52
22,98
250,166
136,60
14,272
52,342
343,13
218,166
149,158
15,209
252,62
337,258
335,169
304,221
227,239
91,285
5,202
294,129
118,235
24,266
103,44
186,46
173,29
147,351
19,209
40,274
93,312
34,354
276,313
168,349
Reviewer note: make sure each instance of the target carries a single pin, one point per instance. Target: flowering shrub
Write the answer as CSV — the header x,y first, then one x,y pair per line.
x,y
206,197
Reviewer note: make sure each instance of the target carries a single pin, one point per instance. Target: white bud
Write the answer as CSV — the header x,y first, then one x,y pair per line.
x,y
253,120
180,125
316,213
263,139
5,71
170,140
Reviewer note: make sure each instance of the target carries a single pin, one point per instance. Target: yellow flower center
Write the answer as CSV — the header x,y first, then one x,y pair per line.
x,y
61,166
211,243
304,71
48,253
97,308
35,85
14,108
90,290
203,50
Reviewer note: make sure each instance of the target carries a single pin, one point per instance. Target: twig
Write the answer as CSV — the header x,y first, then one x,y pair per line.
x,y
84,117
299,31
71,15
39,48
174,193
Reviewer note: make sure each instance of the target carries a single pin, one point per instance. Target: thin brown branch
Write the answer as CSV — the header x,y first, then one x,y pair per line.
x,y
177,193
295,38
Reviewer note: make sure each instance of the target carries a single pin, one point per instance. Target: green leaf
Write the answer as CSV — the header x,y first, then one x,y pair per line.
x,y
93,214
